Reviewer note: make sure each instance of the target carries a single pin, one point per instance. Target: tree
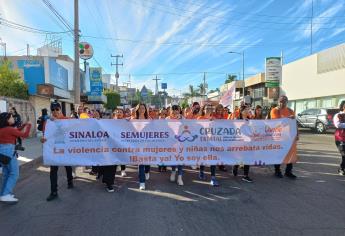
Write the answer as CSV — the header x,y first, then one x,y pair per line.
x,y
230,79
202,89
11,85
214,90
113,100
184,104
192,93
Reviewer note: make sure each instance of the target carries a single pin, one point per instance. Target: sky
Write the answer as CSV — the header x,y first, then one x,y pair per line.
x,y
179,40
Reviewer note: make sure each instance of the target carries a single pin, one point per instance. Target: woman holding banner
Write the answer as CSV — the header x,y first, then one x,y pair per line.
x,y
244,115
119,113
141,113
176,114
207,114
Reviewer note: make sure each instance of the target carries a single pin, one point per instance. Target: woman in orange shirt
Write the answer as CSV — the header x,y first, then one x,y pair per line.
x,y
207,114
244,115
258,113
176,114
118,115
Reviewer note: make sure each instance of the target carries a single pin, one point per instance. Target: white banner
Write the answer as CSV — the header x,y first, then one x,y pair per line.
x,y
94,142
228,96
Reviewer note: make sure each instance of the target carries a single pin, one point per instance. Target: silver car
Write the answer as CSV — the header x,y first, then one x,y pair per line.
x,y
317,119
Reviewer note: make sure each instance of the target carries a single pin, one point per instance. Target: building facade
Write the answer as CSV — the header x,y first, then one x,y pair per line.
x,y
316,81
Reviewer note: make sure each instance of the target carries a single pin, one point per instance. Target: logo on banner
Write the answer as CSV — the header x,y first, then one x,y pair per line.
x,y
265,132
144,136
186,135
59,134
220,134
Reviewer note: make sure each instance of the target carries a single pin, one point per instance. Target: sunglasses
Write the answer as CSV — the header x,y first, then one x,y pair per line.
x,y
56,109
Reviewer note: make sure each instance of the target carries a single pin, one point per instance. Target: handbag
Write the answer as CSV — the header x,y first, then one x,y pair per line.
x,y
4,160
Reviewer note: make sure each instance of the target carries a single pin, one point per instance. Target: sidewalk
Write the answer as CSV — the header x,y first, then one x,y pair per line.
x,y
33,150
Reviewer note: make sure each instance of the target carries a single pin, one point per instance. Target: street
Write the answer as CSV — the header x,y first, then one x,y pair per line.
x,y
311,205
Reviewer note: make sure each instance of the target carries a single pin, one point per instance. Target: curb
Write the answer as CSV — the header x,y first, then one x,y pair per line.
x,y
31,164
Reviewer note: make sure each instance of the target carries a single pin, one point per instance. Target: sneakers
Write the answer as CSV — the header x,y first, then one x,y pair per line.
x,y
110,189
9,198
247,179
290,175
52,196
142,186
179,180
173,176
341,172
202,176
214,182
278,174
70,185
123,173
147,176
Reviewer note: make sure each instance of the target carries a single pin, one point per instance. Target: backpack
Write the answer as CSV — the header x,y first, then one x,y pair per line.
x,y
40,123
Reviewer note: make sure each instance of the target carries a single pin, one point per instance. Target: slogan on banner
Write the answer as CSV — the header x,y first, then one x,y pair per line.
x,y
94,142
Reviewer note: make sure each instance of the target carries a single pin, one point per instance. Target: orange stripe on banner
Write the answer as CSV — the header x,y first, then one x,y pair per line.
x,y
291,157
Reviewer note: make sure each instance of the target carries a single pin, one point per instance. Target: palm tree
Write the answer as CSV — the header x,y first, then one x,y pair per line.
x,y
192,93
230,79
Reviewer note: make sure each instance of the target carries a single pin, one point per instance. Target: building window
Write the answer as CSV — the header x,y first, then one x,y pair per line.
x,y
258,92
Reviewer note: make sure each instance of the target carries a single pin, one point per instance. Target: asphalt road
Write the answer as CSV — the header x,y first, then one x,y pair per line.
x,y
311,205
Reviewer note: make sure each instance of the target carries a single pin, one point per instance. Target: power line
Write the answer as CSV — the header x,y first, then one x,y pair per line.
x,y
21,27
181,73
59,16
189,42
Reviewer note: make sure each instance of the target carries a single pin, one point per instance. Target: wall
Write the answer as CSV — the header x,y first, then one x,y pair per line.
x,y
25,110
301,81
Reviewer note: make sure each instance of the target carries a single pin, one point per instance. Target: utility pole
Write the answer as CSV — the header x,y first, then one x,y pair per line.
x,y
156,79
311,27
76,54
204,92
117,75
129,81
27,50
4,47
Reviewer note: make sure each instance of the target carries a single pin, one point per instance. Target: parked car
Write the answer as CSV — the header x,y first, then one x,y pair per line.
x,y
317,119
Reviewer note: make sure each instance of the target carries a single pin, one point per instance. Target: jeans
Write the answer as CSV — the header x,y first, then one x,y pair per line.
x,y
213,170
143,169
10,172
179,169
288,168
341,148
54,177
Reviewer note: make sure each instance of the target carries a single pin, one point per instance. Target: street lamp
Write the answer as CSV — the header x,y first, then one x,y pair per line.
x,y
241,53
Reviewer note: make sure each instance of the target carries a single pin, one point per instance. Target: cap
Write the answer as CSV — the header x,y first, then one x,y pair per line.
x,y
54,105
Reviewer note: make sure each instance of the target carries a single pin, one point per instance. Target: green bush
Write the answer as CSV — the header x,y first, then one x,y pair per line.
x,y
11,85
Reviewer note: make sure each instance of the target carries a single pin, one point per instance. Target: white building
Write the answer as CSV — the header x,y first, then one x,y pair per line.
x,y
316,81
